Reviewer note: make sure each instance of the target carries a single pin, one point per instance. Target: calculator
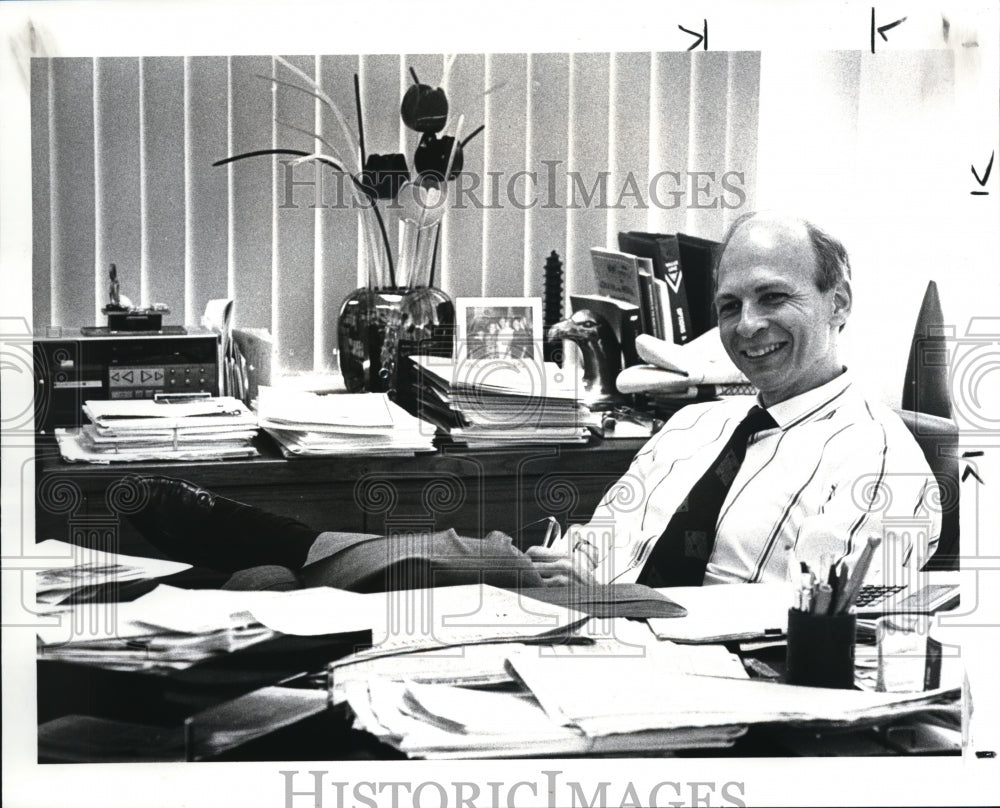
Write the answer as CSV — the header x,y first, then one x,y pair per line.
x,y
875,600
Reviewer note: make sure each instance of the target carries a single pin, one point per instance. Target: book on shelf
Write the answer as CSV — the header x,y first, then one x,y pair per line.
x,y
663,250
617,276
698,257
650,299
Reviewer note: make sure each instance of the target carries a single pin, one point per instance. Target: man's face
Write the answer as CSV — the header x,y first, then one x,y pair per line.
x,y
775,324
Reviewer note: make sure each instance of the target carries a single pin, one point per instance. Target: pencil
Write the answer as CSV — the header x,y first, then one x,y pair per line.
x,y
846,598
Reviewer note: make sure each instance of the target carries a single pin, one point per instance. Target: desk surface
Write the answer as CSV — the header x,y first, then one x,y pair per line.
x,y
473,491
90,714
509,483
271,465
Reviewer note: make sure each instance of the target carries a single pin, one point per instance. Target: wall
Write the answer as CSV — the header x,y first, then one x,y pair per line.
x,y
123,147
878,150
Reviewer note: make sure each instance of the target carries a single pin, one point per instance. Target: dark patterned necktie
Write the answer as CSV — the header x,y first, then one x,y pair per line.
x,y
681,554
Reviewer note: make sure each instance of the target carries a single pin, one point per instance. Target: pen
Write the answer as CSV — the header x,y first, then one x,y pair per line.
x,y
846,598
837,581
821,598
179,398
805,590
791,565
552,533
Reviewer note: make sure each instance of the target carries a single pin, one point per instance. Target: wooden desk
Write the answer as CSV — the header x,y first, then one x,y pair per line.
x,y
471,491
140,717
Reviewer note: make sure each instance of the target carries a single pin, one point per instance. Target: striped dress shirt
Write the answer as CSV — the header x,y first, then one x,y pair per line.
x,y
833,453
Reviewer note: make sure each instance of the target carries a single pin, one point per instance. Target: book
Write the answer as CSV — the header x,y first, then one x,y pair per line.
x,y
664,251
624,318
698,257
650,301
661,298
617,276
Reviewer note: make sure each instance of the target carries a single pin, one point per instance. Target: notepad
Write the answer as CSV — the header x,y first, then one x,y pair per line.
x,y
726,612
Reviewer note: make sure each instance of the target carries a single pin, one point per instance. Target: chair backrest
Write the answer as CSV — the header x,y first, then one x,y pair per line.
x,y
926,383
938,439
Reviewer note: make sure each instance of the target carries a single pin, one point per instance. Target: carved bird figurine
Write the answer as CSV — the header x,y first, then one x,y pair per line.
x,y
602,356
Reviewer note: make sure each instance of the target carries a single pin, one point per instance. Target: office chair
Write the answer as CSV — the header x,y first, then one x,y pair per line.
x,y
926,411
938,439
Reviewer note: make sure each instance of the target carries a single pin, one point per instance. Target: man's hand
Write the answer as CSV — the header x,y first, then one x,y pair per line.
x,y
560,569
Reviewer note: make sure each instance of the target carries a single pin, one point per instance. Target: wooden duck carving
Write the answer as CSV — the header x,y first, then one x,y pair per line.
x,y
602,356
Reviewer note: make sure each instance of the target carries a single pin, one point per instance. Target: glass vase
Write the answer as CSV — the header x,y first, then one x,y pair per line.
x,y
376,328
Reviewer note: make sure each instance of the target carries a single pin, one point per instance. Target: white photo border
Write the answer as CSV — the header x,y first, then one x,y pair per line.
x,y
480,306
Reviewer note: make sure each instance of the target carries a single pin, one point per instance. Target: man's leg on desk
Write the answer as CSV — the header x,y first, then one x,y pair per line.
x,y
192,524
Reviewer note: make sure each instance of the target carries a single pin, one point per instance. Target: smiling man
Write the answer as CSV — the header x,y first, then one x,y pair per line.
x,y
720,493
783,295
715,497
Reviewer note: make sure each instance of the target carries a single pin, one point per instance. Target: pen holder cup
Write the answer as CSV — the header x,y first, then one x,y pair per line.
x,y
820,649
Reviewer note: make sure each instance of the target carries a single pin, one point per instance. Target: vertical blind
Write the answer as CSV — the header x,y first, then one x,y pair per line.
x,y
575,148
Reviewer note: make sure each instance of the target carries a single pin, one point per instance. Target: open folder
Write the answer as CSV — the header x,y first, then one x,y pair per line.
x,y
609,600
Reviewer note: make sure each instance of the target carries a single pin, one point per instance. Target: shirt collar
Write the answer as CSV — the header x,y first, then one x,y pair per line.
x,y
810,403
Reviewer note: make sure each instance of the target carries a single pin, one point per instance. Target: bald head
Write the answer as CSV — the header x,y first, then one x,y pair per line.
x,y
779,310
832,262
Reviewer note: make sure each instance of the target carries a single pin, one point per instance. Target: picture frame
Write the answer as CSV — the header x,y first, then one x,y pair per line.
x,y
506,328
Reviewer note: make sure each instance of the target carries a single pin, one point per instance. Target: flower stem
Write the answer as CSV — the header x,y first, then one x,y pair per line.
x,y
434,255
361,125
385,240
258,153
475,132
322,96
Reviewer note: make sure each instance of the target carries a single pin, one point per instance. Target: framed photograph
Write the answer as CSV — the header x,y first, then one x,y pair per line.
x,y
499,328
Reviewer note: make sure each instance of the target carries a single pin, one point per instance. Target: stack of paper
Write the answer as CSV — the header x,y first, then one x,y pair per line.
x,y
307,424
155,652
428,704
442,721
139,430
575,693
166,629
72,569
485,664
494,402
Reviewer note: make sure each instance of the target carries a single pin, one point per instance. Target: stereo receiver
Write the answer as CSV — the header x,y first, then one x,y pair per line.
x,y
72,366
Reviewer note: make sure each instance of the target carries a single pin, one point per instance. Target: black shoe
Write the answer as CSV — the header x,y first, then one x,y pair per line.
x,y
194,525
176,517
